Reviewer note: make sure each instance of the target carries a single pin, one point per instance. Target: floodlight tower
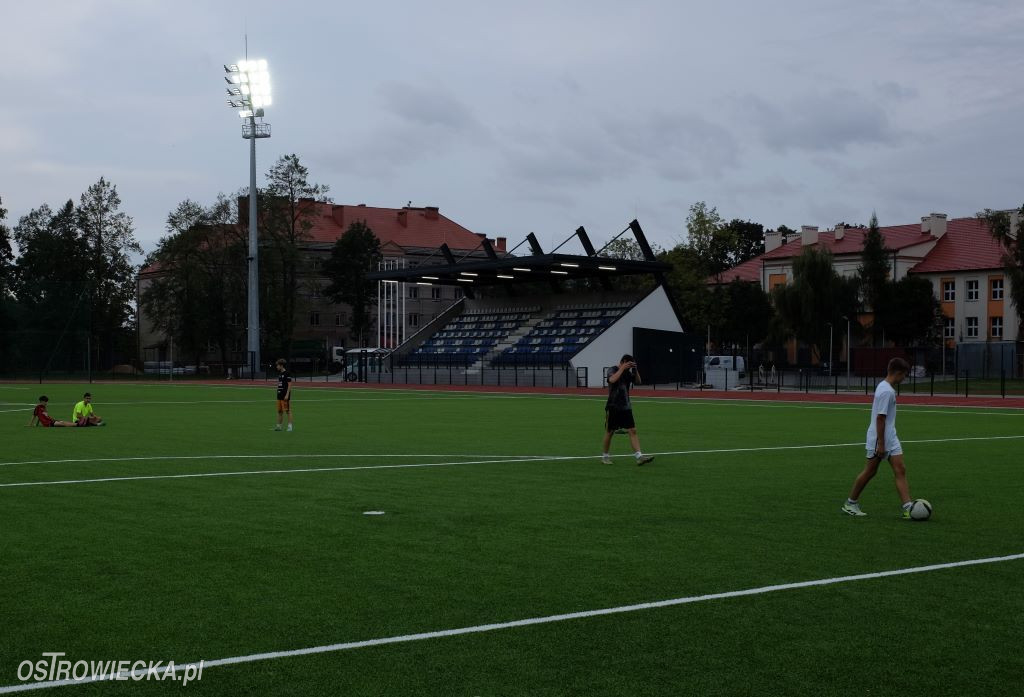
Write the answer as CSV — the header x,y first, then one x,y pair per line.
x,y
249,92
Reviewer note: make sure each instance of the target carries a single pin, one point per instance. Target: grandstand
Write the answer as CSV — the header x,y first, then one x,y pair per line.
x,y
567,336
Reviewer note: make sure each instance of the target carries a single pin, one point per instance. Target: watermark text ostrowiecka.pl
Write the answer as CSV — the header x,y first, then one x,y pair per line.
x,y
54,667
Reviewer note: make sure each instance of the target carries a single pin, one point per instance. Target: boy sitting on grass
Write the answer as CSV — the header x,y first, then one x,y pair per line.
x,y
41,418
83,414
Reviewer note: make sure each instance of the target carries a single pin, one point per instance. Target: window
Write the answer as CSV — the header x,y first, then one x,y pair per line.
x,y
997,328
972,327
948,328
997,289
339,319
435,293
314,319
948,291
414,319
414,292
972,290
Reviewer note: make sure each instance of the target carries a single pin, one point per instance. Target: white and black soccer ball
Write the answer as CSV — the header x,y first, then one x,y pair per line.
x,y
920,510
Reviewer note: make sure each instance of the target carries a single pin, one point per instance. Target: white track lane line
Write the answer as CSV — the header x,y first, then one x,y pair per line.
x,y
547,619
511,460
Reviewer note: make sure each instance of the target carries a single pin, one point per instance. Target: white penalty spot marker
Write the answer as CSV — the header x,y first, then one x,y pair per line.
x,y
373,512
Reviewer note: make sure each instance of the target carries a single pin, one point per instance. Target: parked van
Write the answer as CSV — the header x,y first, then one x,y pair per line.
x,y
725,363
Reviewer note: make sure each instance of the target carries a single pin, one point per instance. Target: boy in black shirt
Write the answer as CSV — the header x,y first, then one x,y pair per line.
x,y
619,409
284,395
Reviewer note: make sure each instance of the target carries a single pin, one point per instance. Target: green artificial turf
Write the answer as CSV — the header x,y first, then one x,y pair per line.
x,y
191,568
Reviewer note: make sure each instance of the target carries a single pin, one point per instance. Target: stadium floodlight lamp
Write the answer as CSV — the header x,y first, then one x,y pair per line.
x,y
570,266
468,273
249,92
430,278
516,268
424,283
501,275
607,268
560,273
464,280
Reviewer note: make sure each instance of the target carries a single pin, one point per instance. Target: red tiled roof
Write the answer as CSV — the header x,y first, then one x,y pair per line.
x,y
967,246
404,227
423,227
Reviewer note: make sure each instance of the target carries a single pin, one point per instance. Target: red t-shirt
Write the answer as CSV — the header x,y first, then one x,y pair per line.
x,y
44,418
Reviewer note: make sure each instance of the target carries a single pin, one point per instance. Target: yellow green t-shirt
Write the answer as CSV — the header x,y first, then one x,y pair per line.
x,y
82,410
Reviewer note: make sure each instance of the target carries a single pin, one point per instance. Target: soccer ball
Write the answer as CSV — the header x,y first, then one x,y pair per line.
x,y
920,510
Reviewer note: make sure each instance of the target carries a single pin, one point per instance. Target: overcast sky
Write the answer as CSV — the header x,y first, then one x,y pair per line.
x,y
528,116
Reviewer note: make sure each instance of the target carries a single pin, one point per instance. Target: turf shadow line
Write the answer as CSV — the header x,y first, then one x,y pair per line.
x,y
547,619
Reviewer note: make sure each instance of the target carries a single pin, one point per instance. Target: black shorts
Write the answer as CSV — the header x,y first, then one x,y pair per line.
x,y
616,419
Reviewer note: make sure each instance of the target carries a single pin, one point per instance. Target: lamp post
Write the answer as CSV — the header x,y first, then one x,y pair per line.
x,y
829,348
249,92
847,318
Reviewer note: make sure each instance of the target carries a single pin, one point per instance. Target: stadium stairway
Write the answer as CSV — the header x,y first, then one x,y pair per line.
x,y
508,342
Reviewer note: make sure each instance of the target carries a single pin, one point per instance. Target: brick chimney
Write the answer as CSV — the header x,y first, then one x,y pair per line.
x,y
500,243
934,224
840,231
772,240
431,212
403,217
808,235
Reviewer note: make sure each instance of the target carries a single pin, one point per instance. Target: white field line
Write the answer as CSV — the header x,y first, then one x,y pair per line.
x,y
154,458
507,460
531,621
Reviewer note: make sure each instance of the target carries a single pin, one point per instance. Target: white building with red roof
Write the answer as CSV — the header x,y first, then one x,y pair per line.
x,y
960,257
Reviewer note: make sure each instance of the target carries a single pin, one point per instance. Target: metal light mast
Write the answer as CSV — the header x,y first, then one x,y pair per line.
x,y
249,92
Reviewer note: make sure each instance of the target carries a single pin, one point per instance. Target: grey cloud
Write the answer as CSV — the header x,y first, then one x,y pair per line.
x,y
895,91
427,105
828,121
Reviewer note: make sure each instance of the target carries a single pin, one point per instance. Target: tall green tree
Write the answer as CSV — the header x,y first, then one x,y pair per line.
x,y
289,213
912,314
817,297
7,321
1002,227
748,313
747,239
110,235
354,255
874,272
199,283
709,238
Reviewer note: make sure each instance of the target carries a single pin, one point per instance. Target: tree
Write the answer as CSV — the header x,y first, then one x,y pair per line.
x,y
354,255
817,297
746,238
747,313
628,249
912,312
707,236
110,236
198,282
689,285
1001,225
873,273
6,287
289,212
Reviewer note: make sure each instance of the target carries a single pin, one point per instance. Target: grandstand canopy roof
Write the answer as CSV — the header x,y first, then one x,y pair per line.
x,y
511,269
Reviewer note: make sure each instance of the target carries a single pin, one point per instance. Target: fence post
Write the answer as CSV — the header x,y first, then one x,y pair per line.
x,y
967,383
1002,382
779,377
837,384
933,385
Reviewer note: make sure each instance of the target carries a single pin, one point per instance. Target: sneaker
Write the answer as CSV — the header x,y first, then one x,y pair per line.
x,y
606,459
644,459
278,427
289,428
905,515
853,509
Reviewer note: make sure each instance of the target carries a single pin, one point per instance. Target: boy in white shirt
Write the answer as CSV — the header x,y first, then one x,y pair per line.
x,y
882,441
